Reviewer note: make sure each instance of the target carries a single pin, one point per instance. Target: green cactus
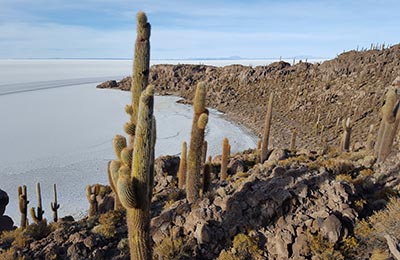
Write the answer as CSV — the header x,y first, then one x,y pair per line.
x,y
91,194
345,141
141,63
135,189
54,205
267,127
390,122
38,215
23,205
119,143
224,160
182,167
200,120
112,172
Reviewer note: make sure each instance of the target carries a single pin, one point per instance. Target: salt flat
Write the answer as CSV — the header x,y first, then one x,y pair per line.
x,y
62,133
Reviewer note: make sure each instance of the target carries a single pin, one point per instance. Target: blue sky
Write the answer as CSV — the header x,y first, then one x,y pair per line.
x,y
184,29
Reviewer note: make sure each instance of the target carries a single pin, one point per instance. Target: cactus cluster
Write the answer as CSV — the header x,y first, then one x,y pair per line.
x,y
131,175
200,120
390,122
91,194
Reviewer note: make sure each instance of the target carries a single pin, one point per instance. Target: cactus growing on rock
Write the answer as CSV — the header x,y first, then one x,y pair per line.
x,y
23,205
267,127
91,194
200,120
293,141
207,176
182,167
54,205
345,141
224,159
390,122
38,215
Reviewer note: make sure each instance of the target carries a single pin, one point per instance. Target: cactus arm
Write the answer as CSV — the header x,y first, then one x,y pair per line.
x,y
55,206
38,215
182,167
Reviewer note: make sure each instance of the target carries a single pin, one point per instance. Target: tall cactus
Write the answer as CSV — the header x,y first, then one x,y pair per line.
x,y
112,173
345,141
134,185
38,215
390,122
293,140
224,159
54,205
200,120
141,64
182,167
267,127
207,176
23,205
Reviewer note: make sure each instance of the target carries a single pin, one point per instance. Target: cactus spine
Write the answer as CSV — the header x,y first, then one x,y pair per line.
x,y
200,120
224,159
182,167
23,205
267,127
54,205
390,122
38,215
345,142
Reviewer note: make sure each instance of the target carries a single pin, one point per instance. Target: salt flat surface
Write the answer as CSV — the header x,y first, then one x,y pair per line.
x,y
62,133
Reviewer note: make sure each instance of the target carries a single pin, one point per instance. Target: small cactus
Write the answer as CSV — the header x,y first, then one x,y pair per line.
x,y
345,141
200,120
91,194
293,141
267,127
390,113
38,215
54,205
23,205
207,177
224,159
369,145
182,167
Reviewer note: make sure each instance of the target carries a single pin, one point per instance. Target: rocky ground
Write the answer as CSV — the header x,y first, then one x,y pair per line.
x,y
308,203
351,85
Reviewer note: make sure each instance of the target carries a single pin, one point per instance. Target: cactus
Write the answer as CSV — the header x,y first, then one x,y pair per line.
x,y
54,205
345,141
141,64
200,120
204,152
182,167
224,159
23,205
112,172
91,194
38,215
293,141
390,122
267,127
369,145
207,176
135,189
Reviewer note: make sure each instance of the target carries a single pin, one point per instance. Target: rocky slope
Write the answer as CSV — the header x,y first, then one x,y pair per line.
x,y
351,85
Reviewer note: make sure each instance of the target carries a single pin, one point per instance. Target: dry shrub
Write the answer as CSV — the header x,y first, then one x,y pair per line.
x,y
171,249
108,223
243,247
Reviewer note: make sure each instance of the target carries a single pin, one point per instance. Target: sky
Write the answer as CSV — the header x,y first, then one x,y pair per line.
x,y
195,29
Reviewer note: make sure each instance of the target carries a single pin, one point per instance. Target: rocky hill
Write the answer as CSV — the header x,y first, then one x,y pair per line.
x,y
351,85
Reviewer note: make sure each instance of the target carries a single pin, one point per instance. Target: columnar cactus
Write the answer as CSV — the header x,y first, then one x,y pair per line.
x,y
390,122
369,145
267,127
224,159
135,184
38,215
293,141
207,176
54,205
91,194
204,152
141,64
23,205
112,173
182,167
200,120
345,141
